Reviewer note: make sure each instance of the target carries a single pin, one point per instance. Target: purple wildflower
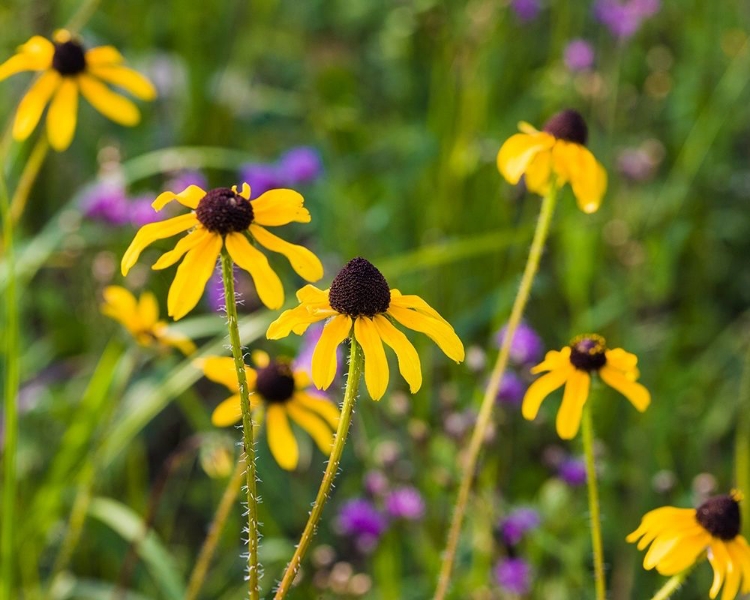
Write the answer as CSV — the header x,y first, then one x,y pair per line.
x,y
358,518
215,291
261,177
526,10
512,389
376,482
405,503
106,202
183,179
572,471
578,55
517,524
300,165
623,19
526,347
513,575
141,212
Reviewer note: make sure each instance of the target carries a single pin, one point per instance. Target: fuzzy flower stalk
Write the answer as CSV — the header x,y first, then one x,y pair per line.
x,y
547,160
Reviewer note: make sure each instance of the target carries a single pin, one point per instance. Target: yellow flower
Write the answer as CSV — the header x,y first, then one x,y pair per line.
x,y
281,392
141,319
573,366
361,304
223,218
680,537
559,149
67,67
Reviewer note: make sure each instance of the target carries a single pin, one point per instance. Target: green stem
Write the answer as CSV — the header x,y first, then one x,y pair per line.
x,y
247,425
742,442
82,15
488,402
214,533
27,179
673,584
587,433
350,397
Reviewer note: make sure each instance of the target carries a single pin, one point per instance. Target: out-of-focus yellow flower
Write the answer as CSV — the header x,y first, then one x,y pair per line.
x,y
67,68
141,319
558,150
360,303
572,366
680,537
225,218
281,393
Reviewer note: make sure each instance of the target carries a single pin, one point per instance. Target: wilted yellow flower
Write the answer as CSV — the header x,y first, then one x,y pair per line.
x,y
66,68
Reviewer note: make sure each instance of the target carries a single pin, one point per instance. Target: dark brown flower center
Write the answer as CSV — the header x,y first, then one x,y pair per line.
x,y
223,211
275,381
587,352
568,125
720,516
359,290
69,58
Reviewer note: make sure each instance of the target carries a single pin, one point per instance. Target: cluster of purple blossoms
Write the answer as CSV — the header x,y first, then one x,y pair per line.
x,y
623,19
517,524
572,471
297,166
526,10
512,573
526,349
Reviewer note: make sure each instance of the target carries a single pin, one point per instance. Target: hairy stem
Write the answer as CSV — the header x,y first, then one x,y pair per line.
x,y
587,434
673,584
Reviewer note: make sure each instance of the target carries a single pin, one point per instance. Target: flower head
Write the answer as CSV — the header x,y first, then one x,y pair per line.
x,y
224,218
67,68
282,394
623,19
359,518
578,55
300,165
513,575
512,389
526,347
405,503
526,10
141,319
680,537
107,202
558,150
573,366
572,471
360,303
517,524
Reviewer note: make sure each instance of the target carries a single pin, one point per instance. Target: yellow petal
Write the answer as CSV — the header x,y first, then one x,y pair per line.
x,y
279,207
376,364
438,331
267,282
408,359
684,555
621,360
32,106
312,295
541,388
148,310
638,395
172,338
260,358
191,277
574,397
553,360
316,428
62,114
189,197
518,151
587,177
538,173
103,56
221,370
304,262
295,319
324,359
128,79
148,234
734,574
280,437
113,106
190,241
245,193
228,412
415,302
741,557
34,55
719,559
320,406
660,548
120,305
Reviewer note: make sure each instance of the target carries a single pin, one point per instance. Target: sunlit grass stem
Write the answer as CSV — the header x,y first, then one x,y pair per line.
x,y
673,584
253,567
28,177
587,435
350,397
488,402
742,442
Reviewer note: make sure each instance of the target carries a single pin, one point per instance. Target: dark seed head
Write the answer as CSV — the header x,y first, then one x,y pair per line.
x,y
359,290
587,352
720,516
275,381
69,58
223,211
568,125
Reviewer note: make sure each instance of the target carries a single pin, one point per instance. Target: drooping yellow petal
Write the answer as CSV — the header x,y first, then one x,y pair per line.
x,y
320,406
221,370
552,360
148,310
518,151
281,440
295,319
191,277
621,360
683,555
304,262
187,243
317,429
574,397
115,107
415,302
148,234
408,360
741,556
267,282
189,197
120,305
279,207
128,79
539,172
103,56
376,364
734,574
541,388
438,331
324,359
62,114
638,395
309,294
719,559
32,106
172,338
34,55
228,412
587,177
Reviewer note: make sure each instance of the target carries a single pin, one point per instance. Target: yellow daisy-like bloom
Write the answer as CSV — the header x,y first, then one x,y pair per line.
x,y
559,150
360,303
281,393
572,366
680,537
224,218
67,68
141,319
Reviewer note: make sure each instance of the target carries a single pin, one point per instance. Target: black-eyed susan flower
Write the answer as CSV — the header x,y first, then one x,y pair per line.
x,y
558,151
361,304
67,68
680,537
572,366
225,218
281,393
141,319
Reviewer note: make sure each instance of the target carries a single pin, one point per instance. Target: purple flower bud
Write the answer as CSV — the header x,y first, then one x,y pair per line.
x,y
106,202
526,347
405,503
261,177
526,10
360,519
517,524
579,55
572,471
512,389
300,165
141,212
513,575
